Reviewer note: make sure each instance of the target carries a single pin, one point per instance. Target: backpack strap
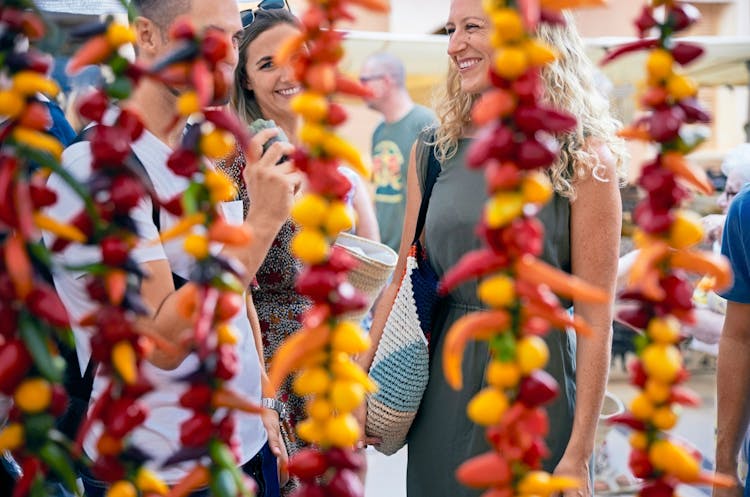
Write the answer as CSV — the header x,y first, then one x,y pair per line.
x,y
135,165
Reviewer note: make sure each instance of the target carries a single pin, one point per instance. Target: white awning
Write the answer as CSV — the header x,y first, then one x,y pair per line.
x,y
84,7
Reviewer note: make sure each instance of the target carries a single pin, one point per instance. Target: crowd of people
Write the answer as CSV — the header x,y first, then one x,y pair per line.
x,y
586,179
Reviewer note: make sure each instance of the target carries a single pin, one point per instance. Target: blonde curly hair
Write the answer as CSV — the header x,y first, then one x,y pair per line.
x,y
570,85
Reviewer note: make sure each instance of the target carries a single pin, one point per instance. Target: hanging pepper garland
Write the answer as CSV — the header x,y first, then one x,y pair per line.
x,y
34,319
31,368
322,350
666,238
514,146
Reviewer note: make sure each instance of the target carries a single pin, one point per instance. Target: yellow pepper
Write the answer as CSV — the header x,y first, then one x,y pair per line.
x,y
674,460
119,34
342,430
681,87
310,105
312,381
340,218
12,103
188,103
511,62
508,26
487,407
336,146
11,437
124,361
310,211
503,208
196,245
122,488
38,140
659,64
182,226
539,53
33,395
59,229
536,188
310,246
662,362
686,230
217,144
346,395
497,291
29,83
348,337
531,353
147,481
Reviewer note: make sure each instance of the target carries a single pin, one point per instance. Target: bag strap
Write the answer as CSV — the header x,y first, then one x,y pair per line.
x,y
433,171
134,163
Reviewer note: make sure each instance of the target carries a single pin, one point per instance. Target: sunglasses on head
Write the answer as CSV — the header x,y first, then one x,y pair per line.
x,y
248,16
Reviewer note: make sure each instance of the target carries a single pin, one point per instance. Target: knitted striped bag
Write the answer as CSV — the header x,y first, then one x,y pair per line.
x,y
402,360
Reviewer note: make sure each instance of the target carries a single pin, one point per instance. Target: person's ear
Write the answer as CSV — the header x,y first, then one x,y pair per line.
x,y
148,37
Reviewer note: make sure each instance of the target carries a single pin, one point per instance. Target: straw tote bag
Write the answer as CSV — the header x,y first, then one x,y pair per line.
x,y
402,360
375,264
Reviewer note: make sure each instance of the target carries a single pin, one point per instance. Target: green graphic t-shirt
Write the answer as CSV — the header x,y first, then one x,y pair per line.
x,y
391,145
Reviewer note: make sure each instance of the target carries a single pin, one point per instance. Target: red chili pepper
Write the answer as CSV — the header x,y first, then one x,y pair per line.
x,y
126,191
197,397
182,29
109,145
108,468
336,114
345,483
645,20
229,122
123,415
93,105
684,396
31,468
682,16
318,282
684,53
638,376
7,208
492,142
694,112
41,196
227,362
485,470
200,77
535,454
533,154
640,464
658,488
348,86
130,123
308,464
183,162
15,362
345,458
36,116
644,44
196,431
114,251
537,389
214,47
44,302
531,119
627,419
475,264
664,124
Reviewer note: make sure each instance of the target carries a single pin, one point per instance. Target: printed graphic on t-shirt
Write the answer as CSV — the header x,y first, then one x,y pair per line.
x,y
387,162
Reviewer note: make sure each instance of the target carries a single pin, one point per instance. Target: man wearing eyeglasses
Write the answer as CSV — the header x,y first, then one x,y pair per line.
x,y
272,188
385,76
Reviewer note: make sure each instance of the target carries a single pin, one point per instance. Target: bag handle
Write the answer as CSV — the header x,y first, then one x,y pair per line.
x,y
433,171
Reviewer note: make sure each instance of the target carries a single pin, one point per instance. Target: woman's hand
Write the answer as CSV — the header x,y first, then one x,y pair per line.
x,y
577,468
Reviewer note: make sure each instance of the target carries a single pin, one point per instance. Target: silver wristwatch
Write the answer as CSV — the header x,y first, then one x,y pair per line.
x,y
276,405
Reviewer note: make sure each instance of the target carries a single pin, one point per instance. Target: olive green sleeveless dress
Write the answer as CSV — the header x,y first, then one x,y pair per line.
x,y
442,436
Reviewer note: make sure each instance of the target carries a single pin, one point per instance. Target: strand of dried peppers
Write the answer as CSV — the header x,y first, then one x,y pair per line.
x,y
33,320
215,292
323,349
514,146
666,238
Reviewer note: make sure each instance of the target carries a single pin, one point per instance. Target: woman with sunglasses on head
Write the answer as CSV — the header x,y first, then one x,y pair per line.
x,y
263,91
585,180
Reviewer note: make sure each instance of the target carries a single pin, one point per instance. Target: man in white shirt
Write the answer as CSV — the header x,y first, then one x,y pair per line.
x,y
272,189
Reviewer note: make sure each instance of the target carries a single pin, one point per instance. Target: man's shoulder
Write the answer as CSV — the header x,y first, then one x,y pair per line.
x,y
424,113
739,209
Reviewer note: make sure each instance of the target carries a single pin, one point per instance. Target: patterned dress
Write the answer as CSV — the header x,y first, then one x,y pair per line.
x,y
279,306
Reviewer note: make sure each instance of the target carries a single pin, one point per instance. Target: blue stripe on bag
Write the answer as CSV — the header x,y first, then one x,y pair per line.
x,y
401,364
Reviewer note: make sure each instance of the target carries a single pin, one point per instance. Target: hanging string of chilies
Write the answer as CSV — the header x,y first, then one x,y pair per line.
x,y
516,286
666,238
34,319
322,350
